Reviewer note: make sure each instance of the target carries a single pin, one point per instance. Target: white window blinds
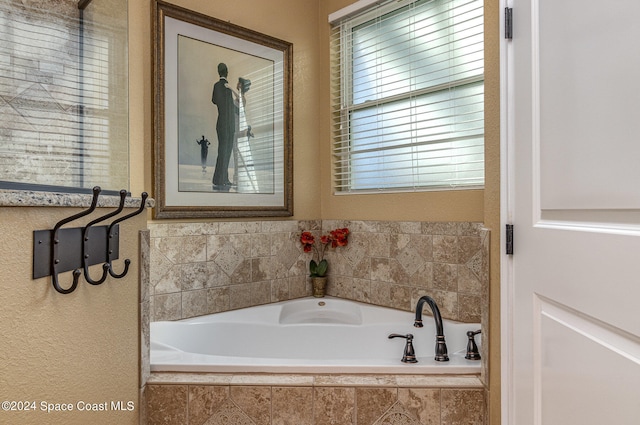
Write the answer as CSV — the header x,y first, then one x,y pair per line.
x,y
64,95
408,97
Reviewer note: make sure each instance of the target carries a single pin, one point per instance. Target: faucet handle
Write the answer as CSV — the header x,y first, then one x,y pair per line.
x,y
472,348
409,355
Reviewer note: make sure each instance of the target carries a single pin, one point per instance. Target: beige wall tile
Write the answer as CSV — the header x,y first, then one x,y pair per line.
x,y
423,403
260,293
397,415
255,402
193,249
239,296
445,277
463,407
231,227
468,247
362,290
292,406
242,273
380,293
194,276
299,287
380,245
229,413
261,245
400,275
380,269
445,249
218,299
194,303
468,282
470,308
216,277
334,405
204,401
373,402
400,297
279,290
167,307
166,404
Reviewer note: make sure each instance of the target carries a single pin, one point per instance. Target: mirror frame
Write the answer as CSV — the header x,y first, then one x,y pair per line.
x,y
169,22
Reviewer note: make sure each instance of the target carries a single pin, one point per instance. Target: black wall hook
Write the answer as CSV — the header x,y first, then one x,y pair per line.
x,y
86,243
64,249
112,233
55,246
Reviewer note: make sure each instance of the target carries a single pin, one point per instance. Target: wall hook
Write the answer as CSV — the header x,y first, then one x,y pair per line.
x,y
85,242
111,236
63,249
56,242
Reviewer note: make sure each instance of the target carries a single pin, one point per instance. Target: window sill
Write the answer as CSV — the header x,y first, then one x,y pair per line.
x,y
410,190
22,198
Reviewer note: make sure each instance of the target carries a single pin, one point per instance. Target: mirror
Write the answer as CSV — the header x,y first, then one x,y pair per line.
x,y
64,95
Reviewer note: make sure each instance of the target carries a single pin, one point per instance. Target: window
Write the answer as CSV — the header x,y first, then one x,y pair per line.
x,y
408,113
64,95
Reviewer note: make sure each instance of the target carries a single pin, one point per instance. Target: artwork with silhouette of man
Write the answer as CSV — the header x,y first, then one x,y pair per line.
x,y
222,97
229,97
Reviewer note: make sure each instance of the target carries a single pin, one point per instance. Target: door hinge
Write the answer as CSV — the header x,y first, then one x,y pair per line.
x,y
509,238
508,23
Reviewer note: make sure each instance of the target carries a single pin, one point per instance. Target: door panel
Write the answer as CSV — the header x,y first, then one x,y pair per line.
x,y
589,104
581,364
573,313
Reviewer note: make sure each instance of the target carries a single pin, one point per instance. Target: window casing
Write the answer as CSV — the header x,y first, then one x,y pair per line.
x,y
408,106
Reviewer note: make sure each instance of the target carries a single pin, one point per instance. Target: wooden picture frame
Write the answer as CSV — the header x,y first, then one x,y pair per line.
x,y
222,146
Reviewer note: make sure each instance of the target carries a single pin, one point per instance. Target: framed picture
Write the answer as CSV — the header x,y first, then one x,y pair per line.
x,y
223,118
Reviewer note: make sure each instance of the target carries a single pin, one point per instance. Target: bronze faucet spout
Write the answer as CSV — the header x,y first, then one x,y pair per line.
x,y
441,345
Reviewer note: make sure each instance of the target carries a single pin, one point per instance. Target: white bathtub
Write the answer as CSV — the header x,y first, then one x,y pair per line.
x,y
309,335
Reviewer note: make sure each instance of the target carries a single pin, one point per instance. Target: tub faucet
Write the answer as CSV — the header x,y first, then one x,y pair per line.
x,y
441,345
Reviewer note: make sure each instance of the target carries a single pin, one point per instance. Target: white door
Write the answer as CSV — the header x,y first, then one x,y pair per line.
x,y
571,294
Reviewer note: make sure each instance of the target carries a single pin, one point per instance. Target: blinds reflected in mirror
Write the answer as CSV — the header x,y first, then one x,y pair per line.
x,y
408,97
64,94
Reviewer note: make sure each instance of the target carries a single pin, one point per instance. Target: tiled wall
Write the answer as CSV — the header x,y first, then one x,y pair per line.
x,y
319,400
202,268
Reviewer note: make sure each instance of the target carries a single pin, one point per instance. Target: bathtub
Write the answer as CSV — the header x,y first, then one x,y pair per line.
x,y
308,335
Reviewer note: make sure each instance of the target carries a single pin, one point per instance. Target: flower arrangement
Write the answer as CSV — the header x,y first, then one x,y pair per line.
x,y
335,238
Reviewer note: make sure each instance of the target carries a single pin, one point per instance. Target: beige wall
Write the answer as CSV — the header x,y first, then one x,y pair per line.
x,y
492,195
79,347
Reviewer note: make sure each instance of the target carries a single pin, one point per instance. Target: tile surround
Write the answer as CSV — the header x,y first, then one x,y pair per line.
x,y
172,400
203,268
